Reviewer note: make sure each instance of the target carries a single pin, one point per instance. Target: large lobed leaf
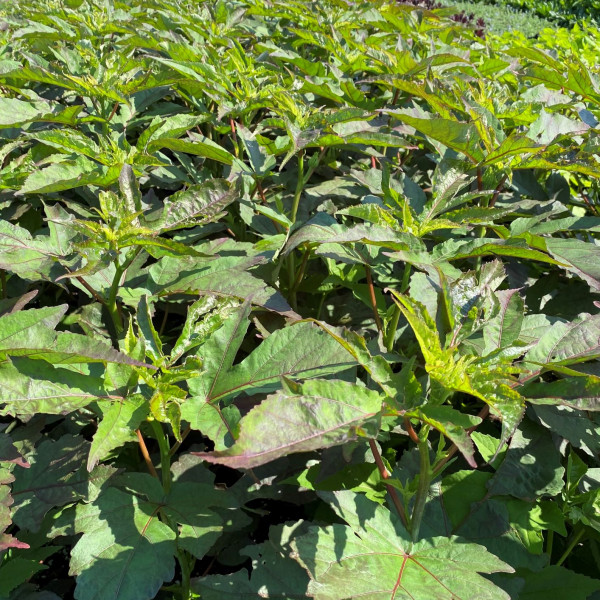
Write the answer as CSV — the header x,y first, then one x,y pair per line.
x,y
373,557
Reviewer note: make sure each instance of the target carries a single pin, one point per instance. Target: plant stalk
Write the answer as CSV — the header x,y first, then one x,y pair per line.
x,y
111,302
373,298
186,574
570,547
422,490
165,454
393,324
146,454
390,489
549,543
299,187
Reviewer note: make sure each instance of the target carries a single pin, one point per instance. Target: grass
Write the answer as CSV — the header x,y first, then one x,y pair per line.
x,y
500,19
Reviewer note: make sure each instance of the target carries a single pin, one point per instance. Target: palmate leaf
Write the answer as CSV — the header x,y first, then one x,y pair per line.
x,y
56,477
375,545
273,574
531,467
558,581
125,551
319,414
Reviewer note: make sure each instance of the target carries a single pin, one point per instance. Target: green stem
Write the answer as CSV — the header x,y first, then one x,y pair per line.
x,y
299,187
549,543
186,574
291,265
481,231
296,203
393,324
111,303
570,547
422,490
165,454
390,332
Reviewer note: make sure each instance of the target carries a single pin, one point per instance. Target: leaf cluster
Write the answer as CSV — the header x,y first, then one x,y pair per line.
x,y
292,295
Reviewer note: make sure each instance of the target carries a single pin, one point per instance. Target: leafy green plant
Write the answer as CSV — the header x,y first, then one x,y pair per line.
x,y
293,295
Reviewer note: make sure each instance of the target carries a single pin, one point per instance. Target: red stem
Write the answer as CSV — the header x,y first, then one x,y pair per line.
x,y
385,474
373,298
146,454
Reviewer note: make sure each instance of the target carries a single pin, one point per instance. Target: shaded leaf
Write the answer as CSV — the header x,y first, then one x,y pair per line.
x,y
376,545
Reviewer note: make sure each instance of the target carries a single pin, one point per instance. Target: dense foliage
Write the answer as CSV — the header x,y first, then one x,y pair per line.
x,y
295,304
564,12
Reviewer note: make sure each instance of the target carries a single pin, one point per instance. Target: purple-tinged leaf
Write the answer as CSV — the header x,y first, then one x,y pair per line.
x,y
320,415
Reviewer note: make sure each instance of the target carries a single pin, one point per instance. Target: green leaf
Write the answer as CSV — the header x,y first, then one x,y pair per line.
x,y
504,328
218,354
453,424
199,146
119,421
152,341
197,204
125,550
376,545
321,414
573,425
29,257
376,366
532,466
223,276
30,333
582,392
199,527
16,112
579,257
299,351
70,174
558,582
566,343
57,477
8,454
462,137
273,574
33,387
